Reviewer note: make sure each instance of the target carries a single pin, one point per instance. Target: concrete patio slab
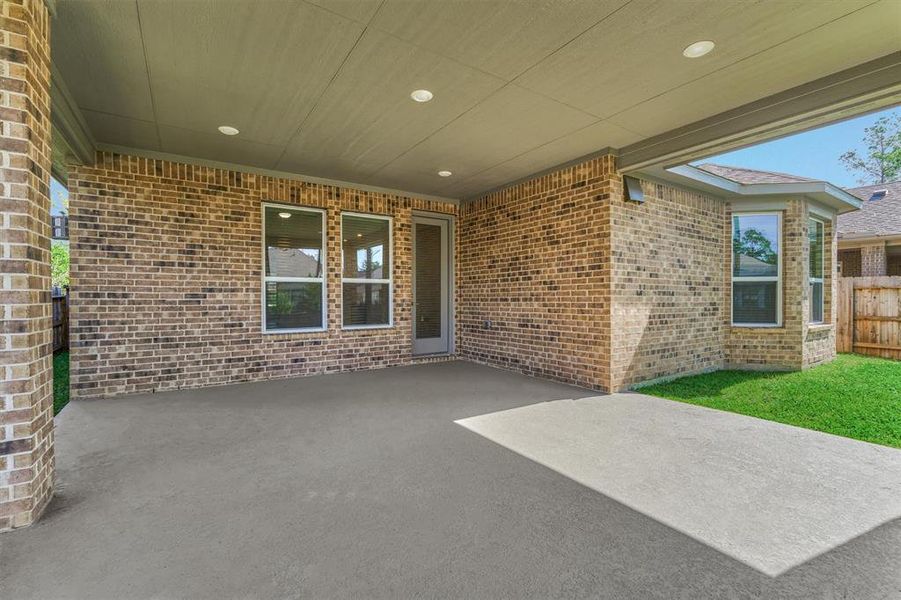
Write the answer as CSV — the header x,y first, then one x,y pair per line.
x,y
362,485
770,495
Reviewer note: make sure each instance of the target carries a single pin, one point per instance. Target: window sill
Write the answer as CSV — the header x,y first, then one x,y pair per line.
x,y
761,328
820,326
290,331
367,327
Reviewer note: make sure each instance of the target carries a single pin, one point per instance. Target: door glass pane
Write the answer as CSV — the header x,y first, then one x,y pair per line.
x,y
755,245
754,302
428,281
366,303
293,305
293,243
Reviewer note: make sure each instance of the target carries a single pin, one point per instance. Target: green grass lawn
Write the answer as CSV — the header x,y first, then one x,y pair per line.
x,y
60,381
854,396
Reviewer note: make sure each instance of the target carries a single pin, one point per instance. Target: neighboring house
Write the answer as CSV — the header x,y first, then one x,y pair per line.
x,y
869,239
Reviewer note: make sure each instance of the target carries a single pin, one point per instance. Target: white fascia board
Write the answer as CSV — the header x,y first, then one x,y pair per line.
x,y
821,191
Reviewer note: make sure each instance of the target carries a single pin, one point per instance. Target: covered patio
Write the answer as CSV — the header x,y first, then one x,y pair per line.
x,y
302,236
365,484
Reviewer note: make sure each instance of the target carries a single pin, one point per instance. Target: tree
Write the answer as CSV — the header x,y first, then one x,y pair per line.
x,y
755,244
882,162
59,263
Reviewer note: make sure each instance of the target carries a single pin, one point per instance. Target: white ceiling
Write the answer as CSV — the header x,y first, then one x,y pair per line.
x,y
321,87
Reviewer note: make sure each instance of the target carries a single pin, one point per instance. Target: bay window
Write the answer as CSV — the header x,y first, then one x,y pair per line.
x,y
757,269
366,271
294,272
815,243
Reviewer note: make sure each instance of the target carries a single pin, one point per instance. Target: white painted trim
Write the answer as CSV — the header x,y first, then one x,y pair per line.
x,y
323,216
215,164
824,192
389,281
777,279
821,280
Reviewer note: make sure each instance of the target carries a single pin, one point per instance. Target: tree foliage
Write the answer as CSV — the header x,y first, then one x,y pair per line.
x,y
882,161
755,244
59,263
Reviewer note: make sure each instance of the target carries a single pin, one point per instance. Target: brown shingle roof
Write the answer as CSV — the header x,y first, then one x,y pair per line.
x,y
747,176
879,217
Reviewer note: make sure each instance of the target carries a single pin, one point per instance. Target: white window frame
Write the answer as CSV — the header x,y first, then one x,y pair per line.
x,y
820,280
323,216
389,280
777,278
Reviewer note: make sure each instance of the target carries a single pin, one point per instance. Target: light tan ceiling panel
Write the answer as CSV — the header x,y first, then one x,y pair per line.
x,y
366,117
505,125
119,131
498,36
636,54
865,35
358,10
570,147
213,146
97,46
260,70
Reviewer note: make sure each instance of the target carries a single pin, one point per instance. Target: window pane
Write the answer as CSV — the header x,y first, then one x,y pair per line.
x,y
365,244
815,241
366,303
816,302
293,305
755,245
293,243
754,302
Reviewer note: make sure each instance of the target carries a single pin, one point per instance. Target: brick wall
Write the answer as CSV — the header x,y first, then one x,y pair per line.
x,y
166,278
26,387
535,263
773,347
557,277
850,261
872,260
796,344
667,315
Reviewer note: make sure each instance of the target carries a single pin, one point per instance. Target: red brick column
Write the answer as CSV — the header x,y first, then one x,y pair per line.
x,y
26,388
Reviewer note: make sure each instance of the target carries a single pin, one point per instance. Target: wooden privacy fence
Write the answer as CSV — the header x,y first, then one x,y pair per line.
x,y
869,316
60,320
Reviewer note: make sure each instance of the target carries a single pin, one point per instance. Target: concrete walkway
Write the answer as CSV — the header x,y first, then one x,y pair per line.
x,y
364,485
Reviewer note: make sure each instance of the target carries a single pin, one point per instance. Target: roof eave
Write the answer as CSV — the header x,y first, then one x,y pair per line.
x,y
821,191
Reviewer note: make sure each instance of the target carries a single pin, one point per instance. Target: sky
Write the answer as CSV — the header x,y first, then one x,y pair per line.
x,y
811,154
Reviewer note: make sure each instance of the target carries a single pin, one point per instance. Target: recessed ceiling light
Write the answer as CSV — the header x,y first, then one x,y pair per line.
x,y
359,235
445,173
228,130
285,215
422,95
698,49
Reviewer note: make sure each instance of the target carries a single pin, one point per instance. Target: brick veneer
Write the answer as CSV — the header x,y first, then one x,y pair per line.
x,y
667,286
796,344
850,261
873,260
558,277
166,267
26,391
535,263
